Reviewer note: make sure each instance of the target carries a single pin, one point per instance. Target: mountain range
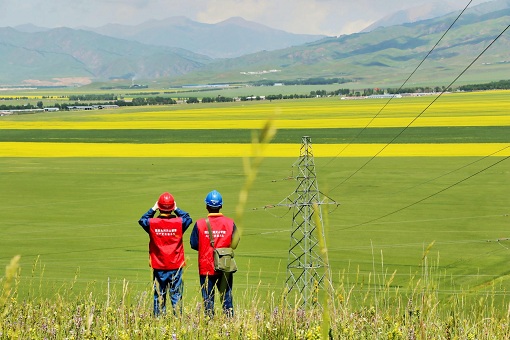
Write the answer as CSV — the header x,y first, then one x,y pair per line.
x,y
231,38
180,51
426,11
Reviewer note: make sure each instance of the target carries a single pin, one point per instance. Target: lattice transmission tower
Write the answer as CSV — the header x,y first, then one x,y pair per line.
x,y
308,270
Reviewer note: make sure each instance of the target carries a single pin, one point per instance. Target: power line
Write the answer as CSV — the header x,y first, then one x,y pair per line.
x,y
429,196
428,106
272,231
401,86
443,219
452,171
423,111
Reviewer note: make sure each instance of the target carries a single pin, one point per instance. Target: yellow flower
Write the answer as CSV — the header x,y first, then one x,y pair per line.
x,y
29,149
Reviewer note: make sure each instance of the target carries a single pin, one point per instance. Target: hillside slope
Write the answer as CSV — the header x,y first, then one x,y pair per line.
x,y
66,56
388,54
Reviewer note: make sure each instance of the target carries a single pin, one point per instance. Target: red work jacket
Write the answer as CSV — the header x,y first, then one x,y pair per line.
x,y
222,228
165,246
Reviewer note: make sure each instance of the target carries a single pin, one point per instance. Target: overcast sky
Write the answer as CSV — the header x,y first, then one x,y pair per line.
x,y
329,17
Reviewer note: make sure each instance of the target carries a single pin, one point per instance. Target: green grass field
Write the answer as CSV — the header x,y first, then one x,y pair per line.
x,y
76,218
467,134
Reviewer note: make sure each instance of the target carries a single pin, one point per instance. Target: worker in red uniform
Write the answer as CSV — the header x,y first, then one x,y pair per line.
x,y
166,249
225,236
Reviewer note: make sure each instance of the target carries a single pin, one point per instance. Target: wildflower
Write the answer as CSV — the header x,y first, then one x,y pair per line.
x,y
123,335
275,312
251,336
395,333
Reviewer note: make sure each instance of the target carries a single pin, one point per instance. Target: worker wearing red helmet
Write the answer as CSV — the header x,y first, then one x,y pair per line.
x,y
166,249
225,235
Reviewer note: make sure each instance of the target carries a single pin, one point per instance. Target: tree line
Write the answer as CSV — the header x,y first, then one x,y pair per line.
x,y
495,85
65,106
89,97
111,99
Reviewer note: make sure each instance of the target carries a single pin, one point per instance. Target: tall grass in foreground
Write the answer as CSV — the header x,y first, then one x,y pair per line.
x,y
359,310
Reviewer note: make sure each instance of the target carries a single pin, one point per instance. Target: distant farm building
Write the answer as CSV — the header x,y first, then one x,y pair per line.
x,y
373,96
383,96
197,86
91,107
80,107
256,98
21,111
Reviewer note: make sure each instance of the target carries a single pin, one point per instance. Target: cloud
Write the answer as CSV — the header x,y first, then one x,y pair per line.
x,y
218,10
298,16
330,17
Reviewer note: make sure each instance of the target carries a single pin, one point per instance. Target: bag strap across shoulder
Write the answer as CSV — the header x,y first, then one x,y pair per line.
x,y
211,237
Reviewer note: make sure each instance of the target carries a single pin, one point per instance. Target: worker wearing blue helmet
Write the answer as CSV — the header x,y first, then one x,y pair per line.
x,y
225,236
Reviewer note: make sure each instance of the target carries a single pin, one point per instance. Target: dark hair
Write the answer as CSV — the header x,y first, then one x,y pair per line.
x,y
213,209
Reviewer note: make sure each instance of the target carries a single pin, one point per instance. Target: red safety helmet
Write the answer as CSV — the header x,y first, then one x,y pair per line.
x,y
166,202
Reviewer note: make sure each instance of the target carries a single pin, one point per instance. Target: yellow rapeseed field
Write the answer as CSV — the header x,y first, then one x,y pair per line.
x,y
29,149
457,110
259,123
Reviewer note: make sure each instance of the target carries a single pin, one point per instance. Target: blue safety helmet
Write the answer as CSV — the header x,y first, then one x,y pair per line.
x,y
214,199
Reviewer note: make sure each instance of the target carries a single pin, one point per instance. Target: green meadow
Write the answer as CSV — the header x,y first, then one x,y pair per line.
x,y
74,220
464,134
